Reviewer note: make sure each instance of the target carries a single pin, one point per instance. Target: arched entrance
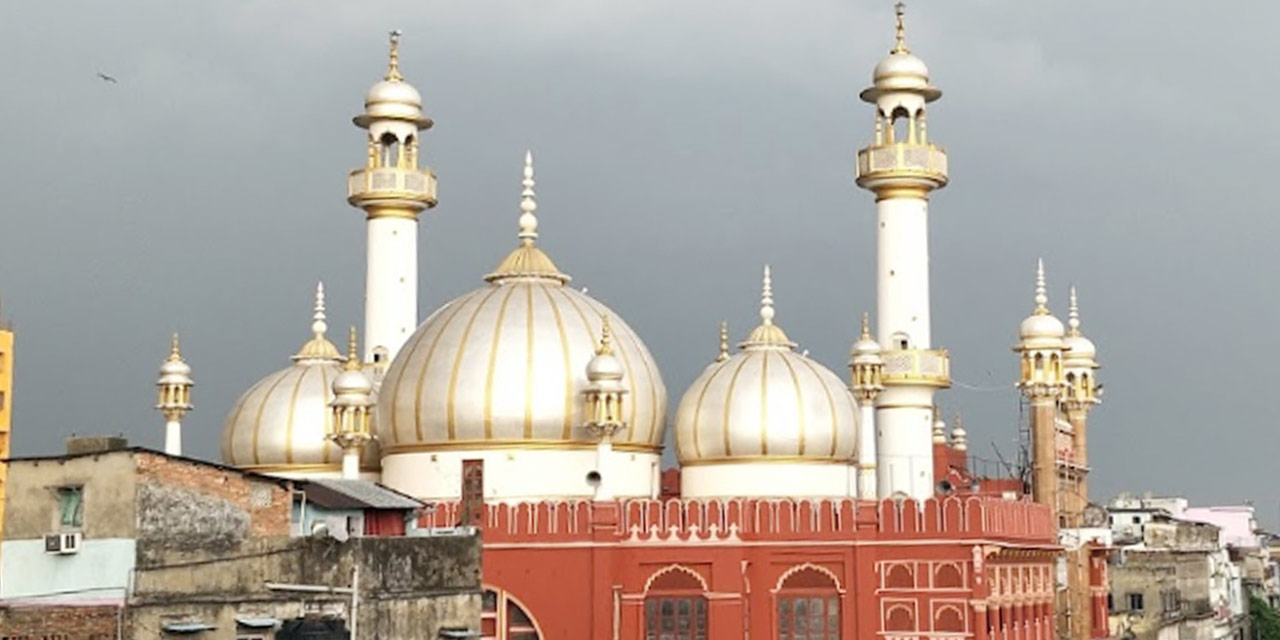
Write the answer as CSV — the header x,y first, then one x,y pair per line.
x,y
503,617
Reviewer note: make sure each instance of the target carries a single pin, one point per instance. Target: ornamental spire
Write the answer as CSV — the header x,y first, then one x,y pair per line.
x,y
766,299
393,57
866,326
724,342
1073,316
318,324
528,205
1042,298
175,350
901,45
606,337
353,356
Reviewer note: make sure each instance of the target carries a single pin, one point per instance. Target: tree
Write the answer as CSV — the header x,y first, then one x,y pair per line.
x,y
1264,619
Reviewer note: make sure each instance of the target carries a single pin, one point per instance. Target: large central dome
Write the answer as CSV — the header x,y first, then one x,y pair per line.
x,y
503,366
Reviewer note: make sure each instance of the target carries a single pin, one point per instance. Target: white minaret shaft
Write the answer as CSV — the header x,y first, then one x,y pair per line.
x,y
392,189
901,167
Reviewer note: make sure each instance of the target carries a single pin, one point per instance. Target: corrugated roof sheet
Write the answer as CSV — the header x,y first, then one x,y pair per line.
x,y
333,493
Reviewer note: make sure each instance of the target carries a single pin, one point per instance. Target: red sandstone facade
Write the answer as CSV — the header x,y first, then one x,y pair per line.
x,y
957,567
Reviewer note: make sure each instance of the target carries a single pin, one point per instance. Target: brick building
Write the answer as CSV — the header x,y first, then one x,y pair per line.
x,y
110,541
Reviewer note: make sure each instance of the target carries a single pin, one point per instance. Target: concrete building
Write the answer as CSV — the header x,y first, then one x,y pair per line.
x,y
1172,578
134,543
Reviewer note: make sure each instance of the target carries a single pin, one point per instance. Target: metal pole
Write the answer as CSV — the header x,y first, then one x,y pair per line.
x,y
355,598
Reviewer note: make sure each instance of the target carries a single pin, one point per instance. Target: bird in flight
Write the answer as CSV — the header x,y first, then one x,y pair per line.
x,y
106,78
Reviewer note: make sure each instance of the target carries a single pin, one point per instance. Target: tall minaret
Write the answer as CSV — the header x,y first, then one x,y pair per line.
x,y
901,167
174,391
867,368
1079,364
392,189
1040,348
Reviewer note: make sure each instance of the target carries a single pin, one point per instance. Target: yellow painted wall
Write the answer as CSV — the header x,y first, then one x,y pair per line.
x,y
6,410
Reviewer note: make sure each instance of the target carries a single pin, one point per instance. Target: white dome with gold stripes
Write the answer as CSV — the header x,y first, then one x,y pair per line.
x,y
766,403
505,365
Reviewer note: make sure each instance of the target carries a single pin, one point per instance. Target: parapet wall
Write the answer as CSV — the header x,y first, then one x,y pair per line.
x,y
679,520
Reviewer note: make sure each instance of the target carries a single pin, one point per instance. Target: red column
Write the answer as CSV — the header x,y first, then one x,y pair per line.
x,y
980,621
604,522
1006,621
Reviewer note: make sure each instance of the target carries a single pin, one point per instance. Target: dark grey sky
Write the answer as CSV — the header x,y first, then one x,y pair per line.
x,y
679,145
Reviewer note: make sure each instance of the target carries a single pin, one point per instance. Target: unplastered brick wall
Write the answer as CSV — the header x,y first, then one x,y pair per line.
x,y
60,623
265,501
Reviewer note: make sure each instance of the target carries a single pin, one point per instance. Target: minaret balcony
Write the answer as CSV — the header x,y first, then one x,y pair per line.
x,y
896,163
392,185
917,367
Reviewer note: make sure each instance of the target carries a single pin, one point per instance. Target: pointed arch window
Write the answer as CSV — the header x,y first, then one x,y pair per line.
x,y
675,606
808,606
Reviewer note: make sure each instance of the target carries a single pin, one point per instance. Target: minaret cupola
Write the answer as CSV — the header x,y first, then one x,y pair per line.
x,y
174,390
1041,345
1080,361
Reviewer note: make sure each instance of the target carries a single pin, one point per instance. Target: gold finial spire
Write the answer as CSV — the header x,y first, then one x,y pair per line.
x,y
528,205
393,58
318,347
724,342
1042,298
353,354
1073,316
766,298
318,325
606,337
901,45
175,350
866,326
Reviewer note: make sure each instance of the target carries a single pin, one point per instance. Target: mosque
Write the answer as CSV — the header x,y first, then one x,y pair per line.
x,y
807,503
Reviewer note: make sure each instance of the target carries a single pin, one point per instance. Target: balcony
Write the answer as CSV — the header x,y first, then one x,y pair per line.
x,y
917,367
390,185
898,161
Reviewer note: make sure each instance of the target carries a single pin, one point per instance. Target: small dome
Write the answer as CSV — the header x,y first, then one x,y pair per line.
x,y
1081,351
503,365
901,71
281,424
392,98
766,401
1041,330
605,367
175,370
866,350
352,382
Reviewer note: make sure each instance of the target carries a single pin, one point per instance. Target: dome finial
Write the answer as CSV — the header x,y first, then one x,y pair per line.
x,y
353,354
175,350
724,342
528,205
766,298
1042,298
318,325
866,326
393,58
901,45
606,337
1073,315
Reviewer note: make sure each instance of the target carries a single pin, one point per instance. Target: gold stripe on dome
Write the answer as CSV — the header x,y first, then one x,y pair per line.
x,y
831,406
493,361
450,421
533,445
764,404
763,459
800,406
288,423
426,362
301,467
528,365
257,419
697,408
728,406
567,432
